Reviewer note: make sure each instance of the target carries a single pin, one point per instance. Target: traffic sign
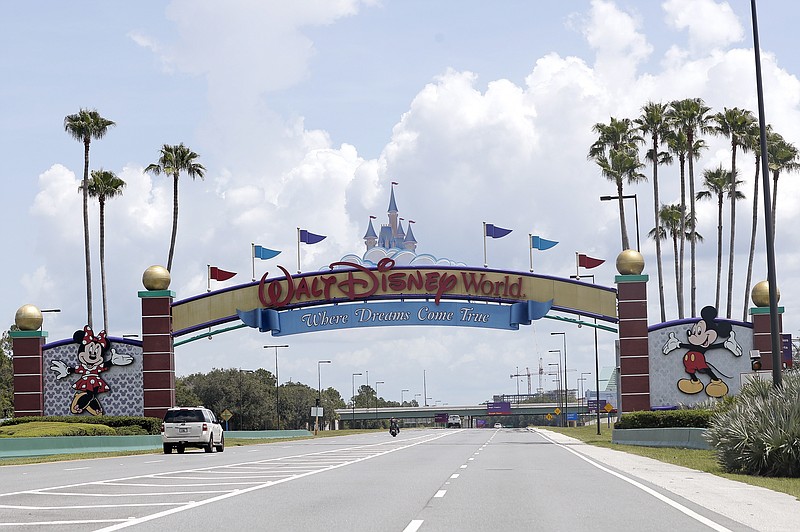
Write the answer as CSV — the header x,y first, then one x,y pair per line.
x,y
549,417
226,414
557,411
608,407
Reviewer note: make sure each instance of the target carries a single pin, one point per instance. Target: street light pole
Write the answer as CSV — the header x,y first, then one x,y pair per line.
x,y
353,418
636,208
596,364
277,386
376,397
319,394
558,374
402,401
566,383
417,395
583,394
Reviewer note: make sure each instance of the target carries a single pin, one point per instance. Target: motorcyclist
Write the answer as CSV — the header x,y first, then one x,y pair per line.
x,y
393,425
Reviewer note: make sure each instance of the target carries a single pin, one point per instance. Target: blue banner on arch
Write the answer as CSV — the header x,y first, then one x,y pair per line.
x,y
388,314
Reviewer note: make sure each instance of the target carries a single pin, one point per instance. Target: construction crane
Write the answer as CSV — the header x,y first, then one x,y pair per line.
x,y
526,374
540,390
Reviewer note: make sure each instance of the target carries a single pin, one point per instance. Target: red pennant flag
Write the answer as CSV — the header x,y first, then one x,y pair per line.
x,y
584,261
220,275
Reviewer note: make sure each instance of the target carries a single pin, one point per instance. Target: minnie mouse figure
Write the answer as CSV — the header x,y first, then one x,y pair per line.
x,y
92,362
701,338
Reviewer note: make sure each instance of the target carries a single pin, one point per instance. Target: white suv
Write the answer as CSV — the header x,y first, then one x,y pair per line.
x,y
191,426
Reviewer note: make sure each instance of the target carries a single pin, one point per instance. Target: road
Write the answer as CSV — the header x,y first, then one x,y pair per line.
x,y
426,480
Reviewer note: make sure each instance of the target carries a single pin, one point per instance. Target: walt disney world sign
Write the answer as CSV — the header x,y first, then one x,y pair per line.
x,y
350,295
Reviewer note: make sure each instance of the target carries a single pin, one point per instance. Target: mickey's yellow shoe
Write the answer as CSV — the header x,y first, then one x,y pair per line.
x,y
716,388
690,386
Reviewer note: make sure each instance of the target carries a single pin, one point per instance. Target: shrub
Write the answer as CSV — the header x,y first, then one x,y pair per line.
x,y
665,419
134,430
150,425
760,433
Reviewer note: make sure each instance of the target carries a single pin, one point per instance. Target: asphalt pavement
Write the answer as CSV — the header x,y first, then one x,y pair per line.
x,y
758,508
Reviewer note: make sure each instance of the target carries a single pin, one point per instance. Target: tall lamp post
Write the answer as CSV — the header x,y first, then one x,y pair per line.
x,y
402,401
596,362
583,393
376,397
353,418
636,208
277,386
417,395
319,394
558,375
566,383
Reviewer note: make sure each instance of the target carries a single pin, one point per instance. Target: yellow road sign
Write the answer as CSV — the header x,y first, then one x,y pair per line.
x,y
557,411
608,407
549,417
226,414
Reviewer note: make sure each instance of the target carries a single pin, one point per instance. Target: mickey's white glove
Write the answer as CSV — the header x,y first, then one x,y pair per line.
x,y
119,359
59,368
672,344
732,345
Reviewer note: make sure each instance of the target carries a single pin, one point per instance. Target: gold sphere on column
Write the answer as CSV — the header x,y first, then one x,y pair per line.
x,y
156,278
760,294
630,262
28,318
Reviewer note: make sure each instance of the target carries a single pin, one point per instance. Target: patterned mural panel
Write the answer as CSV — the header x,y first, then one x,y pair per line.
x,y
125,396
691,362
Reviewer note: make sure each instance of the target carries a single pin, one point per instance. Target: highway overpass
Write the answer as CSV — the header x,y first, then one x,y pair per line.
x,y
421,412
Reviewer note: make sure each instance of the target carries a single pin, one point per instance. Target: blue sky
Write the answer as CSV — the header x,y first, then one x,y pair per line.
x,y
303,112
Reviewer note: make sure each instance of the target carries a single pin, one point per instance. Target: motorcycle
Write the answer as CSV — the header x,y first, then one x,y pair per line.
x,y
393,431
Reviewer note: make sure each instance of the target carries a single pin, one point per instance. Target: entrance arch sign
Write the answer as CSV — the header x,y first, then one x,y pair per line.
x,y
275,304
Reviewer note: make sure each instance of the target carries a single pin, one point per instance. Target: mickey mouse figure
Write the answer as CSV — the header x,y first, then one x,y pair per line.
x,y
92,362
701,338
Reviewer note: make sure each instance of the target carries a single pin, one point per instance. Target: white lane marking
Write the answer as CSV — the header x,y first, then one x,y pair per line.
x,y
75,468
663,498
154,462
196,504
464,466
439,494
454,475
413,526
470,459
80,522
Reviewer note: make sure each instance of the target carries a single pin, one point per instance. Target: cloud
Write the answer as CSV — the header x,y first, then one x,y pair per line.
x,y
710,25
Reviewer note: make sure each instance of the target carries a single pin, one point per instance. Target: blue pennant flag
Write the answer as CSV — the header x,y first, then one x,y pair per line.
x,y
496,232
263,253
310,238
542,244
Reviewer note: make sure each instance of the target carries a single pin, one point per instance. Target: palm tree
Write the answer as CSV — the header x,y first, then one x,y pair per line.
x,y
84,126
733,124
691,116
753,139
718,184
653,122
615,152
172,161
672,221
104,185
783,157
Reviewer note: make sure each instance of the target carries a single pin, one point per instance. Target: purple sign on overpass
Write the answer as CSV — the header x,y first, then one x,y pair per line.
x,y
499,408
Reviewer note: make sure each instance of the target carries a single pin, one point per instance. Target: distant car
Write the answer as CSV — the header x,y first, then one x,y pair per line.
x,y
454,421
498,426
191,426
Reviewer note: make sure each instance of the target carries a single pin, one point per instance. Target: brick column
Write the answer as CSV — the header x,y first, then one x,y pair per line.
x,y
28,372
158,357
634,361
762,333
